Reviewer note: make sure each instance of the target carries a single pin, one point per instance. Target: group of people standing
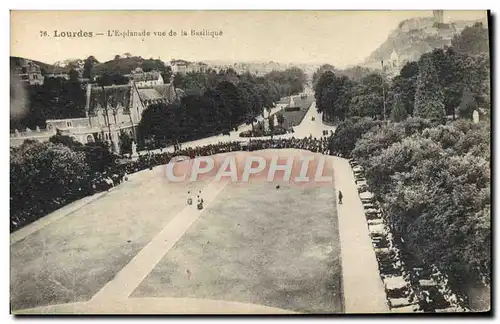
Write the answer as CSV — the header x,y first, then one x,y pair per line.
x,y
199,200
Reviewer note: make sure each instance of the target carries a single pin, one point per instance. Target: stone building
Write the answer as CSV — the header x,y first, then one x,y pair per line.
x,y
393,66
110,111
183,67
29,72
146,79
179,66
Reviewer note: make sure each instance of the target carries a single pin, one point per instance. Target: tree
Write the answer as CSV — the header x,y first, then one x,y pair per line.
x,y
111,79
325,92
44,177
467,105
161,121
472,40
367,98
319,72
404,85
125,143
127,55
348,132
377,139
271,125
88,66
434,184
398,111
64,140
74,77
280,119
117,57
429,95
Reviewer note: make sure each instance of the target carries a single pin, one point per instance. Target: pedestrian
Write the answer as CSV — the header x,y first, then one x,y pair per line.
x,y
340,197
200,203
189,199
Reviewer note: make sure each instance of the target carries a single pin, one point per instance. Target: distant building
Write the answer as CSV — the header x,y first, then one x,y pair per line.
x,y
64,73
29,72
393,65
110,111
199,67
183,67
179,66
58,72
146,79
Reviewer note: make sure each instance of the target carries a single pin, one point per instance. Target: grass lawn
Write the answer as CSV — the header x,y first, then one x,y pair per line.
x,y
259,245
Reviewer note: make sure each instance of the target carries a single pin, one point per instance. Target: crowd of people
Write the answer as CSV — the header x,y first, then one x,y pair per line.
x,y
119,172
313,144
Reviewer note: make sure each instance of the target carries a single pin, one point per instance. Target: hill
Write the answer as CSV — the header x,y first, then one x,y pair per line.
x,y
125,65
416,36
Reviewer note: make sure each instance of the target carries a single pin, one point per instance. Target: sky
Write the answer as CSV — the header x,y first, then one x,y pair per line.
x,y
341,38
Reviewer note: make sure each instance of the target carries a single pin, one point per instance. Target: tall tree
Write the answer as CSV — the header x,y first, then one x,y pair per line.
x,y
467,105
319,72
398,111
88,66
429,98
280,119
325,91
404,85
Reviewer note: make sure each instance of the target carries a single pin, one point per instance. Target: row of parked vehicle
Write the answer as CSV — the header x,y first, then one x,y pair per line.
x,y
410,286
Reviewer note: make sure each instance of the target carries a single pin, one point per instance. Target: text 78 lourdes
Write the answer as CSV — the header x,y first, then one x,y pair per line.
x,y
140,33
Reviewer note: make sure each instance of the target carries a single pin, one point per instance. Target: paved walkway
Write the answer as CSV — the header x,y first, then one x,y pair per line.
x,y
363,289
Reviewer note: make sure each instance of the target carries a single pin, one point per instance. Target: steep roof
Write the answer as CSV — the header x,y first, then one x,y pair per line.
x,y
115,95
159,92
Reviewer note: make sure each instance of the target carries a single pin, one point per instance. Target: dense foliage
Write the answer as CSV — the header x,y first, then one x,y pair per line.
x,y
57,98
434,181
47,176
217,103
439,84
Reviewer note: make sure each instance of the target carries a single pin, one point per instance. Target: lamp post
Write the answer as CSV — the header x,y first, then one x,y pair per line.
x,y
106,117
383,86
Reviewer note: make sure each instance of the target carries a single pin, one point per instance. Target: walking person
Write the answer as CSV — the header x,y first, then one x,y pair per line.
x,y
340,197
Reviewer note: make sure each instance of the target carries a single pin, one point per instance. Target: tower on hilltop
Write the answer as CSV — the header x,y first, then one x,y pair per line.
x,y
438,16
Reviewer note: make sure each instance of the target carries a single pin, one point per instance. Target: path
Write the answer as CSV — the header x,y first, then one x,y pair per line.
x,y
309,127
363,289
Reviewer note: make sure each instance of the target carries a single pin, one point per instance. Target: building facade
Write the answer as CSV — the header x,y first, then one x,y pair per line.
x,y
146,79
183,67
29,72
110,111
179,66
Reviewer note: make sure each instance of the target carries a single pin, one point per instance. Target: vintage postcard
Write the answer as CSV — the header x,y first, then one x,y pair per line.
x,y
250,162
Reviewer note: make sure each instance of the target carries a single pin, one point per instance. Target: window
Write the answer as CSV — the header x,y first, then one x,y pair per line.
x,y
69,124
